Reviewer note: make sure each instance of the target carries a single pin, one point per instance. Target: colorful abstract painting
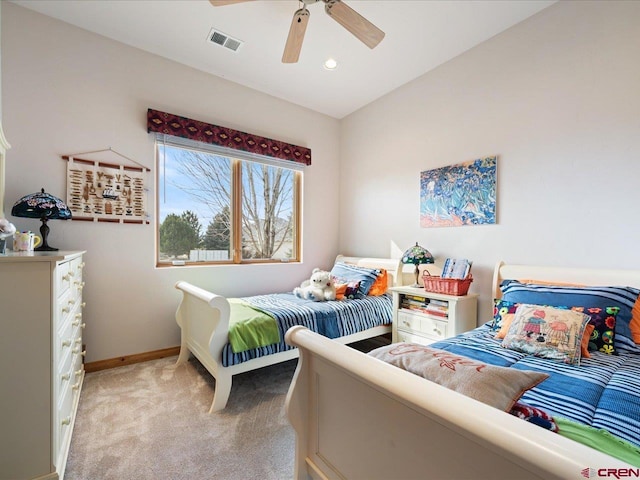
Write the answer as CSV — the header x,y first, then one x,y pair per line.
x,y
462,194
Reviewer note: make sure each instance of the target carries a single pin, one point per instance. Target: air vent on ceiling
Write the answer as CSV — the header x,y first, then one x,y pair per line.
x,y
224,40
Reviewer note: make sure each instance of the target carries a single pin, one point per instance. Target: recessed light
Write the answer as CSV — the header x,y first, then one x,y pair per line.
x,y
330,64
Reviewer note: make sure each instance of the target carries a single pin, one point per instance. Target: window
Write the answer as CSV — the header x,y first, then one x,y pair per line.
x,y
217,205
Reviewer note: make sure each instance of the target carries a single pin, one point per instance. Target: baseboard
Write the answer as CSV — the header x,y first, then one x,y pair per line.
x,y
131,359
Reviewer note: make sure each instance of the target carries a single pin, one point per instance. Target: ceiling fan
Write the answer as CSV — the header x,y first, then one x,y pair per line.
x,y
355,23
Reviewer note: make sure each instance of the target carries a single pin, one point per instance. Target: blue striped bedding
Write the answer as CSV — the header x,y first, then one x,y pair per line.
x,y
332,319
603,391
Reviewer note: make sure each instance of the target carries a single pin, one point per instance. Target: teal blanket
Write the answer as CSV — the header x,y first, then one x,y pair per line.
x,y
250,327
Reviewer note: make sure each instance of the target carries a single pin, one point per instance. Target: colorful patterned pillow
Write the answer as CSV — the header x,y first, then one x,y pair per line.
x,y
347,290
499,387
547,332
500,309
346,273
604,322
381,284
606,296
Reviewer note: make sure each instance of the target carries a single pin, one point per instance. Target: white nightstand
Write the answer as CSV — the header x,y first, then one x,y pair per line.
x,y
424,317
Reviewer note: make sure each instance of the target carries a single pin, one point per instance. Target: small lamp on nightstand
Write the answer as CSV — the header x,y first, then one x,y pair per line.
x,y
417,255
43,206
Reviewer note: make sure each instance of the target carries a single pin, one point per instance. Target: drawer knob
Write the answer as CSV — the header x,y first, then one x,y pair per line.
x,y
83,304
65,309
78,372
71,302
79,315
84,353
66,277
76,386
76,351
65,377
66,343
66,421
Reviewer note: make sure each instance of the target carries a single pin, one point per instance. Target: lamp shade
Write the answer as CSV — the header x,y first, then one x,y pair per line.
x,y
41,205
417,255
44,206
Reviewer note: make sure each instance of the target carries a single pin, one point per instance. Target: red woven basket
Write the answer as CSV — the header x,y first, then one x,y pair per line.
x,y
448,286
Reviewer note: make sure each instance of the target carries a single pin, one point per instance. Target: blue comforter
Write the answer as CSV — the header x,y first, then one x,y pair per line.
x,y
603,391
332,319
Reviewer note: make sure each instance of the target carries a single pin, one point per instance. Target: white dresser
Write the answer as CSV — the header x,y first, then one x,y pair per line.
x,y
41,361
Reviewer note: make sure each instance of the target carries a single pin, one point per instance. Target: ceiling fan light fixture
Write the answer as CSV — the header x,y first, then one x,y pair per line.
x,y
330,64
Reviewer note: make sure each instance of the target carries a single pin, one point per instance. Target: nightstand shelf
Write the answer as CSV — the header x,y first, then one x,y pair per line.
x,y
425,317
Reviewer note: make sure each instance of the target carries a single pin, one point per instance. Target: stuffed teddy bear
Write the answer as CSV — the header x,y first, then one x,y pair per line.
x,y
319,287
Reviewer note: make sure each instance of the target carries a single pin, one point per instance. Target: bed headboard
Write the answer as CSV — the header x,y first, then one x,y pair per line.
x,y
393,266
583,276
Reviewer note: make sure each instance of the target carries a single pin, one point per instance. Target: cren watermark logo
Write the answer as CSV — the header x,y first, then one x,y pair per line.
x,y
610,472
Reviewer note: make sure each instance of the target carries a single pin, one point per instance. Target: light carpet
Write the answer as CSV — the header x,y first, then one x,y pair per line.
x,y
149,421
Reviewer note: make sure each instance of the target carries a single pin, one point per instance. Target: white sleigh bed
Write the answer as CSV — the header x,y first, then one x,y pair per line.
x,y
356,417
203,318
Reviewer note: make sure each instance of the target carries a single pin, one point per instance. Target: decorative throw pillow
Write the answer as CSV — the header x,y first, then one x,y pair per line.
x,y
346,273
547,332
507,318
347,290
586,336
635,321
604,322
499,387
605,296
598,334
381,284
500,309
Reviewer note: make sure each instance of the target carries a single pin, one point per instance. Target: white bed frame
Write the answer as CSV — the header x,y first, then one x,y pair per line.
x,y
357,417
203,318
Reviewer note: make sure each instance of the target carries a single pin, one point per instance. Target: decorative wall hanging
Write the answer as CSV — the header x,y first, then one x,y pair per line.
x,y
462,194
106,192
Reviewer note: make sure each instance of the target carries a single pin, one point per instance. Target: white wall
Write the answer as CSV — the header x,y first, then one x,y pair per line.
x,y
557,98
65,91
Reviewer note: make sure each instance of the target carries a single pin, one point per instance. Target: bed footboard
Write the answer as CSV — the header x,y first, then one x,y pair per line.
x,y
203,318
357,417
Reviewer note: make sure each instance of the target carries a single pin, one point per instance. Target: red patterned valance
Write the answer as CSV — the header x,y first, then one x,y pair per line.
x,y
161,122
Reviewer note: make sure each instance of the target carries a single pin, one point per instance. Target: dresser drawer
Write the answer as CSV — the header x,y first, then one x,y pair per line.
x,y
65,306
413,338
409,321
63,278
64,417
434,328
422,324
65,336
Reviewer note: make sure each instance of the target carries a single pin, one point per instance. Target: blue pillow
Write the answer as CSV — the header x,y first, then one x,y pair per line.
x,y
557,296
345,273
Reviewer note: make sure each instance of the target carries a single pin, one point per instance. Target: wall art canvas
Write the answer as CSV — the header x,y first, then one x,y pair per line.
x,y
457,195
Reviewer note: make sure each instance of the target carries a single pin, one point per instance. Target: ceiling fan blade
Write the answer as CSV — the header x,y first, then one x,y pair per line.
x,y
222,3
296,36
359,26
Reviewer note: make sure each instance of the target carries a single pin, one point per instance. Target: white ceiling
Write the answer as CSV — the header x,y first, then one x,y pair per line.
x,y
420,35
